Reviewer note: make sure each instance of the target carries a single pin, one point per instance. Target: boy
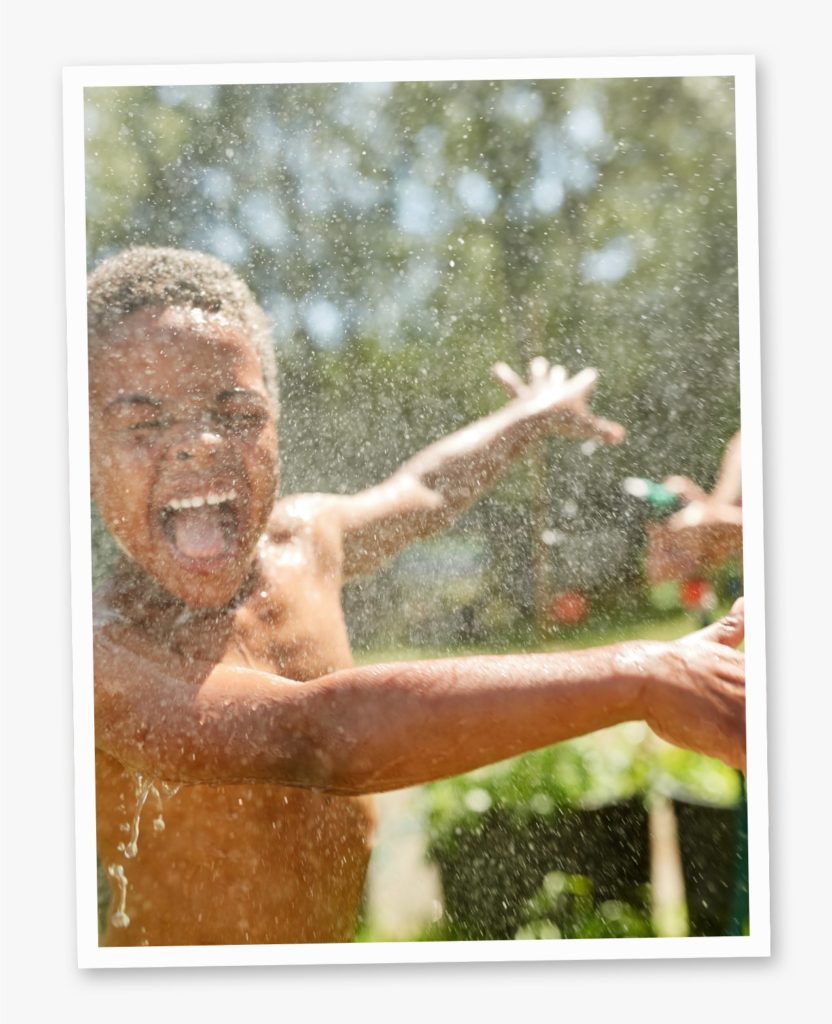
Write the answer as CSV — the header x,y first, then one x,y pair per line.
x,y
222,664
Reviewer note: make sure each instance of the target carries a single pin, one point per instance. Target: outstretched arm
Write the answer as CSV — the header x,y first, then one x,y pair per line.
x,y
384,727
436,485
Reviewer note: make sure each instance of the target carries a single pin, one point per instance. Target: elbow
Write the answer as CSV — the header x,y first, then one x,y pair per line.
x,y
340,752
331,763
346,782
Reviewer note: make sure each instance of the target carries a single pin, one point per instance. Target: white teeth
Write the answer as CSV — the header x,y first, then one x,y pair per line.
x,y
197,500
218,499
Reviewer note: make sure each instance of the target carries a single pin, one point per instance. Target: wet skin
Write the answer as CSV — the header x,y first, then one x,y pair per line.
x,y
241,863
178,408
222,660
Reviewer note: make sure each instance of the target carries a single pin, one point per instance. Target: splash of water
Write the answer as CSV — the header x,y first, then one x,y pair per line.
x,y
119,918
159,790
144,787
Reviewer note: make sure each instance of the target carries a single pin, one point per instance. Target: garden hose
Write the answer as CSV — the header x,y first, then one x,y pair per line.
x,y
739,901
659,501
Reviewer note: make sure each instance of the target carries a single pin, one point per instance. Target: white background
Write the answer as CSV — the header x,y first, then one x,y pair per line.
x,y
38,914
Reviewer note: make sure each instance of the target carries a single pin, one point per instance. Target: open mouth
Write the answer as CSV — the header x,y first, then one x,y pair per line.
x,y
202,527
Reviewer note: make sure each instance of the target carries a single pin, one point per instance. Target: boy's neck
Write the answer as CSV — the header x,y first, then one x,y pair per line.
x,y
142,598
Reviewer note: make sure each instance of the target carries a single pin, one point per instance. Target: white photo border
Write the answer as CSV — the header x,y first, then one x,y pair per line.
x,y
742,69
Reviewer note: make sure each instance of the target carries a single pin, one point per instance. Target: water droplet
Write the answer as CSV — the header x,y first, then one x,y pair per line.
x,y
143,787
119,919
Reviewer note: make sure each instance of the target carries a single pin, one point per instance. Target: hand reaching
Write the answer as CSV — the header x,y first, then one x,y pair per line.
x,y
560,400
695,694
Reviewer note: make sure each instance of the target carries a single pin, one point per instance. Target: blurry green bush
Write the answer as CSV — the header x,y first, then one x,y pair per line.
x,y
555,843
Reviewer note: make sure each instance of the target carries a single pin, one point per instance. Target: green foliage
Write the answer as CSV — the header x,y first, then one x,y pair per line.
x,y
608,766
404,237
684,774
564,907
553,844
569,775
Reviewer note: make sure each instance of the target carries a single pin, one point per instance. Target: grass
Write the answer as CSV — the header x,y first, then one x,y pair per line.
x,y
594,634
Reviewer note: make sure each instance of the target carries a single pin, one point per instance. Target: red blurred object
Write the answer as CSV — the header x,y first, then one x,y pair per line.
x,y
694,593
569,607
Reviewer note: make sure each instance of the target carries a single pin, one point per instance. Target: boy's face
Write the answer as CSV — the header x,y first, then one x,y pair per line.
x,y
183,449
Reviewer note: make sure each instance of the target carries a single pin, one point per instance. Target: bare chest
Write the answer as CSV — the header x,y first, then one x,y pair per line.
x,y
228,864
289,620
242,863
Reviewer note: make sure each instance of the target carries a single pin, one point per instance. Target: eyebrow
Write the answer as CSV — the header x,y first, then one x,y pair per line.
x,y
156,403
135,400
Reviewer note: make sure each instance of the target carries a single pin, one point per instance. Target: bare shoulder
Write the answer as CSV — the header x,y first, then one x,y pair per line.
x,y
135,634
313,517
120,645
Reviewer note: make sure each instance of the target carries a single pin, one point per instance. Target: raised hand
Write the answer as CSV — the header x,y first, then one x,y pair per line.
x,y
559,400
694,541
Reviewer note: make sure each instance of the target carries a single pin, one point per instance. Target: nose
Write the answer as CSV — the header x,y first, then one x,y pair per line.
x,y
198,443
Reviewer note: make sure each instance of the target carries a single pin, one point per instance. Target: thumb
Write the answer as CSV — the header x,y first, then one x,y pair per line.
x,y
729,630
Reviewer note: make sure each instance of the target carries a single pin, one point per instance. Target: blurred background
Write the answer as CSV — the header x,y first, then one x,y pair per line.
x,y
404,237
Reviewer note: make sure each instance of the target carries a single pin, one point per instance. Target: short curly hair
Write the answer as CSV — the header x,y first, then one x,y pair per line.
x,y
146,278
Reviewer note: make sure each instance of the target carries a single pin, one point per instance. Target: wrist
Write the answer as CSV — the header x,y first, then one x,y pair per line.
x,y
530,421
637,665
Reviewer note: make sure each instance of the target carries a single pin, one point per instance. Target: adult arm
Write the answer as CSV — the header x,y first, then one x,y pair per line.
x,y
728,488
383,727
429,490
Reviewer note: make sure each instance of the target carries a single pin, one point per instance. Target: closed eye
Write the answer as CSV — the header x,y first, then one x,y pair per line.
x,y
242,419
157,424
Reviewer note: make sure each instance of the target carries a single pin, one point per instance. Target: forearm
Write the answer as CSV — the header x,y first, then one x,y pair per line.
x,y
433,487
392,726
439,483
364,729
461,466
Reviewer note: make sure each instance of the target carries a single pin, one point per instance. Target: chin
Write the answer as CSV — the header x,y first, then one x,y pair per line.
x,y
205,587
